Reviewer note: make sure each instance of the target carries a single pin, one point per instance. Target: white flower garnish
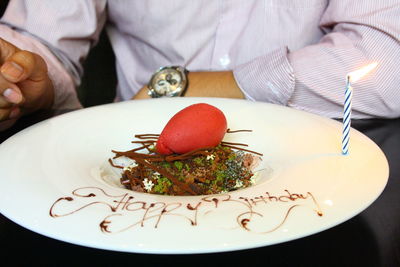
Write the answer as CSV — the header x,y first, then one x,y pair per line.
x,y
148,184
210,157
131,166
156,175
238,184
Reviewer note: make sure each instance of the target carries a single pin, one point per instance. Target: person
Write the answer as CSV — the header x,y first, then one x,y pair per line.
x,y
292,53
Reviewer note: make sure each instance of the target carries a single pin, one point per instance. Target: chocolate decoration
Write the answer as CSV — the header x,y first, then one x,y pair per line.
x,y
151,214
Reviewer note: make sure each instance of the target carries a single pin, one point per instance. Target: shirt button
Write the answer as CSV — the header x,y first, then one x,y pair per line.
x,y
224,61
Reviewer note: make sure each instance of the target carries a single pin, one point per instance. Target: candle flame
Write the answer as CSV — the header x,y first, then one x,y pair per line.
x,y
358,74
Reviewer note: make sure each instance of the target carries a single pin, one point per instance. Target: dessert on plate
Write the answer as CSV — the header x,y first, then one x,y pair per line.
x,y
188,157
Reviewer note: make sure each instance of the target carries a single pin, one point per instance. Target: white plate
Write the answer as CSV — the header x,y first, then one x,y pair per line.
x,y
54,180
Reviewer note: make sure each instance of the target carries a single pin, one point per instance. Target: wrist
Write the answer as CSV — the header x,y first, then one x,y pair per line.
x,y
213,84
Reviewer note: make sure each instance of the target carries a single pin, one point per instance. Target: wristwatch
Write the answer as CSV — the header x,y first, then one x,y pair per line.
x,y
168,81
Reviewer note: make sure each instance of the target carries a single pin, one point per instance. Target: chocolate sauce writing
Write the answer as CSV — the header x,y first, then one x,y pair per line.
x,y
248,213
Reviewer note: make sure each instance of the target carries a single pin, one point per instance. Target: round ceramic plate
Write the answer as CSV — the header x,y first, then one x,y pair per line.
x,y
55,180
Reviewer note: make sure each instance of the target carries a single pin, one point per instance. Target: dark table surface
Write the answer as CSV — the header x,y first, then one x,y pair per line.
x,y
371,238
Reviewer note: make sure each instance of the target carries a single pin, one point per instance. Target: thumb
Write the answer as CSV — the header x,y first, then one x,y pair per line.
x,y
24,65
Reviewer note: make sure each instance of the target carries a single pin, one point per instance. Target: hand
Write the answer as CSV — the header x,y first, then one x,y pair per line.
x,y
206,84
24,84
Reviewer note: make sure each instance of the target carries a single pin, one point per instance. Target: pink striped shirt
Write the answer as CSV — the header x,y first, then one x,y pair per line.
x,y
288,52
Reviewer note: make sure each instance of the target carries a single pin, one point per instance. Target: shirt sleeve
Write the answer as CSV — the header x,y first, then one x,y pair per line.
x,y
62,32
313,78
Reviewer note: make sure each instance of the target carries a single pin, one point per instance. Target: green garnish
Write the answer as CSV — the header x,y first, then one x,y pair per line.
x,y
178,165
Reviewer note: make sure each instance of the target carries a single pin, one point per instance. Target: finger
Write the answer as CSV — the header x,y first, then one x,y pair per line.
x,y
4,125
12,71
4,113
14,113
9,113
10,92
4,103
14,95
24,65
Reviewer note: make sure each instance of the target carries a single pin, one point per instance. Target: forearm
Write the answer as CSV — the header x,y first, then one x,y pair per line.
x,y
313,78
320,79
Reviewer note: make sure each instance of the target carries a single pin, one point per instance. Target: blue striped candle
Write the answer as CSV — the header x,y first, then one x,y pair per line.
x,y
347,116
351,77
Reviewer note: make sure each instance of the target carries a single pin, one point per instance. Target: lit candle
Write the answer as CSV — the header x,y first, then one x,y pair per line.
x,y
347,116
351,77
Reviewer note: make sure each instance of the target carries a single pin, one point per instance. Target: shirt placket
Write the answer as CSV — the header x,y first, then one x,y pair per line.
x,y
230,20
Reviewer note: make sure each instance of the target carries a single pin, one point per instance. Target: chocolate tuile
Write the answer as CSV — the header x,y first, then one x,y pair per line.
x,y
145,159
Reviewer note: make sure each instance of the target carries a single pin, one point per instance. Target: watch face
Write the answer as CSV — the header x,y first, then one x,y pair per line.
x,y
167,82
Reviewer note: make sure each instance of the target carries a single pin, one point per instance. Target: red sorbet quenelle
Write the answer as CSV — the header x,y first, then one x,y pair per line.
x,y
196,126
